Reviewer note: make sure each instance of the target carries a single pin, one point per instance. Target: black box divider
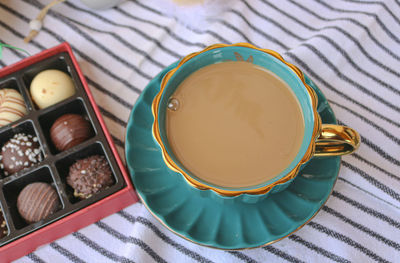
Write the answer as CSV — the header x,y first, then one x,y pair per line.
x,y
73,73
6,213
40,112
26,95
60,186
42,139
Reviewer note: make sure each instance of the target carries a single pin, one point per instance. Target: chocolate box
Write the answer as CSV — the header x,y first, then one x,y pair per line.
x,y
73,213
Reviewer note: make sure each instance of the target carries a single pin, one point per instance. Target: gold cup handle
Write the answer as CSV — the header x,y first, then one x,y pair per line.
x,y
336,140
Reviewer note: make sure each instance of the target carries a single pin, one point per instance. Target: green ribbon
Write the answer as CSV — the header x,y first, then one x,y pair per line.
x,y
9,46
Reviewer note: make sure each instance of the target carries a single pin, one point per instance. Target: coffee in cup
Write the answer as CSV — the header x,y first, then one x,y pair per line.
x,y
234,124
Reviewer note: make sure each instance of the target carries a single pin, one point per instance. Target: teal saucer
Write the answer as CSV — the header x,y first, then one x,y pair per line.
x,y
217,222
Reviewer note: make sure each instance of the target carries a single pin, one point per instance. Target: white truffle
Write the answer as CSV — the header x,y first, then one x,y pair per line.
x,y
51,86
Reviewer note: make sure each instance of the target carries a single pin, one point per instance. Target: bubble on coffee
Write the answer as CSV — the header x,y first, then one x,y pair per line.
x,y
173,104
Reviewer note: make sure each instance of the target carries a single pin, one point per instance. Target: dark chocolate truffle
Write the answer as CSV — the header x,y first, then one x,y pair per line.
x,y
89,176
20,152
37,201
3,226
69,130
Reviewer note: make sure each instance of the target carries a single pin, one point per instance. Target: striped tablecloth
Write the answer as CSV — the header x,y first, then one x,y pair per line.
x,y
350,48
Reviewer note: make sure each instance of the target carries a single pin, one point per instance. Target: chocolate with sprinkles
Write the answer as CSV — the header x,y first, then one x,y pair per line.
x,y
20,152
89,176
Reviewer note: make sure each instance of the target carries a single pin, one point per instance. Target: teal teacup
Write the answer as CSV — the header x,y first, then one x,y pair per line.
x,y
318,139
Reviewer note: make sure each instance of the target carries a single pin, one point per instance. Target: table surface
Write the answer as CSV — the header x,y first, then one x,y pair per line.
x,y
350,48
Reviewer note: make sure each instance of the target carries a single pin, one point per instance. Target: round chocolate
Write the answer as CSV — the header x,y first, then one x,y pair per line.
x,y
69,130
12,106
20,152
89,176
51,86
3,225
37,201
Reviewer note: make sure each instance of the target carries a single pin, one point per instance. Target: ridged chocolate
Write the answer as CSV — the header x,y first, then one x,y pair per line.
x,y
20,152
12,106
3,226
37,201
89,176
69,130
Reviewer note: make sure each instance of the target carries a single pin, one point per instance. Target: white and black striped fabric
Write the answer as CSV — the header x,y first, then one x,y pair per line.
x,y
350,48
